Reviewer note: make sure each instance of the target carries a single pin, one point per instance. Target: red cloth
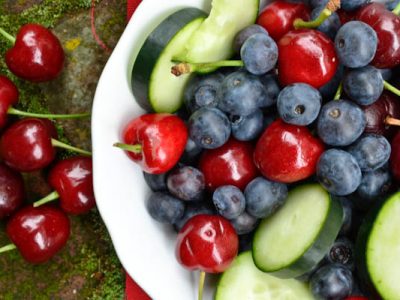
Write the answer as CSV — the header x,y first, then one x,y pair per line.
x,y
132,290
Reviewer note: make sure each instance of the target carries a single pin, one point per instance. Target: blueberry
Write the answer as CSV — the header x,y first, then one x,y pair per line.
x,y
209,128
244,224
191,153
386,73
186,183
371,151
247,128
240,93
364,85
391,4
338,172
201,91
350,5
193,209
156,182
340,123
341,252
271,88
347,206
259,54
374,185
318,3
229,201
328,91
264,197
165,208
331,281
245,242
245,33
330,26
299,104
356,44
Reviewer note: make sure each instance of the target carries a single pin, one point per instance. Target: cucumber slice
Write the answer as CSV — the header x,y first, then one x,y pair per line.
x,y
294,239
153,85
214,39
378,250
244,281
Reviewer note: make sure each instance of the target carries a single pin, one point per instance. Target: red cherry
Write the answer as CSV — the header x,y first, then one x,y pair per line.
x,y
72,179
8,96
278,17
39,233
346,16
230,164
387,27
287,153
356,298
12,191
37,54
308,56
395,157
208,243
155,141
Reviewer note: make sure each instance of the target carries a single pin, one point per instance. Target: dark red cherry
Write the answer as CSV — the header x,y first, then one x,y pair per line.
x,y
39,232
8,96
12,191
395,157
37,54
307,56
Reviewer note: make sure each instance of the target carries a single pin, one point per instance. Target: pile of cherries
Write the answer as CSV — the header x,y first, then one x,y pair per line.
x,y
311,96
28,144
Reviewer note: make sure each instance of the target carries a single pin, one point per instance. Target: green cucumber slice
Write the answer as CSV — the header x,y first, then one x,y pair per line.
x,y
294,239
378,250
153,85
242,280
214,39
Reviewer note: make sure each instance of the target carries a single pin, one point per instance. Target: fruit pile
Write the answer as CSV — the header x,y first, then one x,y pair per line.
x,y
28,144
290,149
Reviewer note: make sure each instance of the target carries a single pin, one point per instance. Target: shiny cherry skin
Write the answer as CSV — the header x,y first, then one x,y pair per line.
x,y
387,27
278,17
307,56
208,243
8,96
162,138
230,164
72,179
395,157
26,145
12,192
388,105
346,16
287,153
37,54
39,233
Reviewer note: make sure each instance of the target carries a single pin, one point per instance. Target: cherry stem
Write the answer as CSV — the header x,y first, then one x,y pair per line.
x,y
59,144
7,248
330,8
396,10
338,92
392,121
186,68
16,112
391,88
137,149
50,197
7,35
201,284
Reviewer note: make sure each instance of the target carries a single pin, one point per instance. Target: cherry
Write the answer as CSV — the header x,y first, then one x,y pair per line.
x,y
155,141
37,54
278,17
12,191
38,232
28,145
387,27
72,180
230,164
287,153
9,96
346,16
356,298
395,157
307,56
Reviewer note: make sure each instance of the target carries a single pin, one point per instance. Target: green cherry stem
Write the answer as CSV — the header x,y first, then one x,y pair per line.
x,y
330,8
396,10
186,68
201,284
391,88
137,149
7,248
50,197
338,92
7,35
62,145
14,111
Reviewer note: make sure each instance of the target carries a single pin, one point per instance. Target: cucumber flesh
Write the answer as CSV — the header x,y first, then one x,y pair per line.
x,y
243,281
214,39
294,239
